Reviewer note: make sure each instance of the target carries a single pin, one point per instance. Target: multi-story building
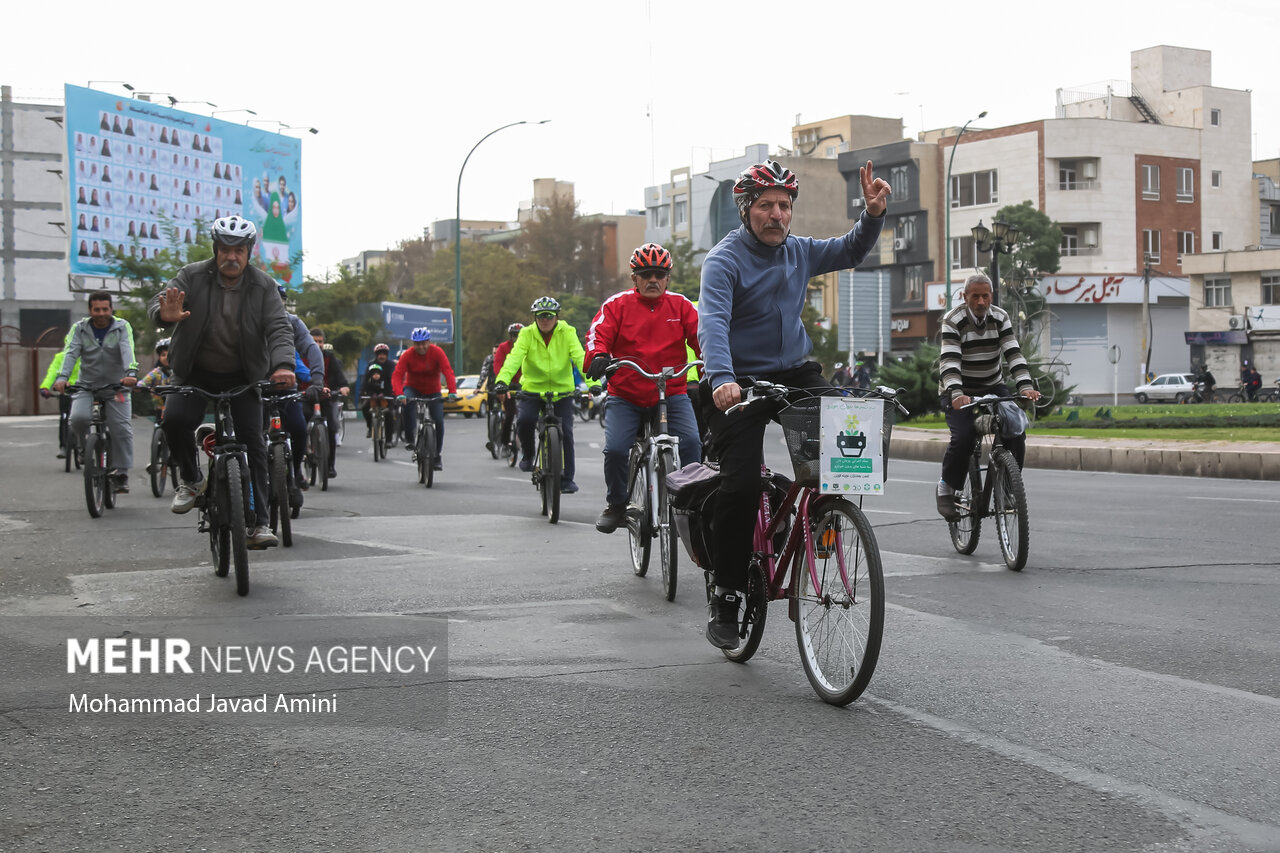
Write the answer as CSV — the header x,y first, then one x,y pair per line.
x,y
1141,173
1235,312
36,298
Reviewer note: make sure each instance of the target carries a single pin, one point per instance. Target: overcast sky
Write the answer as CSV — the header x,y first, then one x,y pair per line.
x,y
633,88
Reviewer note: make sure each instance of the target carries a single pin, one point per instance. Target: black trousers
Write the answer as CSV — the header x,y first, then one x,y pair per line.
x,y
184,413
955,463
738,441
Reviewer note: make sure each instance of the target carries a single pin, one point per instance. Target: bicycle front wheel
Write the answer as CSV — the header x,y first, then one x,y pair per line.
x,y
315,444
840,603
95,475
158,470
216,520
234,498
668,556
967,527
638,535
1012,525
379,437
550,463
428,453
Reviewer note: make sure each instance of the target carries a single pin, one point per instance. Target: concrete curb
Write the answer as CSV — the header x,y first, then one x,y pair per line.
x,y
1246,461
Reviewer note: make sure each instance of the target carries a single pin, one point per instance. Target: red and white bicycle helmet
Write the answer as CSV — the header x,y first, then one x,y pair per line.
x,y
763,176
650,256
377,348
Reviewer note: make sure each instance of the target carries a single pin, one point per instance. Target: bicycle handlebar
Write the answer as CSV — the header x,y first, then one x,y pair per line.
x,y
762,389
187,390
668,372
110,386
988,399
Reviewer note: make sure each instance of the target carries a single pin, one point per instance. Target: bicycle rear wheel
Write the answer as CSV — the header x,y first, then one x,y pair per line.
x,y
966,529
95,475
322,458
234,492
550,463
315,444
104,467
638,534
840,620
668,555
752,612
1012,525
280,510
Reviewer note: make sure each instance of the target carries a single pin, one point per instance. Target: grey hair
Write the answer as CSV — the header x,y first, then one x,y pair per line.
x,y
977,278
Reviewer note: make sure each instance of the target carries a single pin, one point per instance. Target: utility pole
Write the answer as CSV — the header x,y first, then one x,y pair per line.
x,y
1146,317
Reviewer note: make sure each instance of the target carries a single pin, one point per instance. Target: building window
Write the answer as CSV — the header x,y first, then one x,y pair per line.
x,y
906,233
900,183
1215,241
1217,292
1151,182
1151,244
1186,184
1215,178
975,188
1271,288
1215,118
1274,219
1070,241
661,216
965,254
1066,174
1186,244
680,213
914,281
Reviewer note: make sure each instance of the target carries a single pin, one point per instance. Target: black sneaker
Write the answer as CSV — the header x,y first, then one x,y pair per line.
x,y
947,507
332,475
722,620
613,517
119,482
437,465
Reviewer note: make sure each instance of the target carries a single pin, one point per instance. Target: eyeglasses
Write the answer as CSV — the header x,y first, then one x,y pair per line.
x,y
648,275
545,315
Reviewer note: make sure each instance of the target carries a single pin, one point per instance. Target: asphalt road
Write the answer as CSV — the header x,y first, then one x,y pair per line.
x,y
1120,694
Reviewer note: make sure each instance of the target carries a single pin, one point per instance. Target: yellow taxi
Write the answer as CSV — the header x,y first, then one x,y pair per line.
x,y
471,400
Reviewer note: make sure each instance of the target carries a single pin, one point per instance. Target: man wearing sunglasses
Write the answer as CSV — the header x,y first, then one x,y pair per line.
x,y
651,327
545,353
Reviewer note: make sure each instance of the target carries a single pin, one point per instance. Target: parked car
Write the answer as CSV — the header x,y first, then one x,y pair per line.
x,y
1175,387
471,400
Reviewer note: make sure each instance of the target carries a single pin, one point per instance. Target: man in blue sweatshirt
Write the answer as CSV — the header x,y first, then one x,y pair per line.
x,y
754,286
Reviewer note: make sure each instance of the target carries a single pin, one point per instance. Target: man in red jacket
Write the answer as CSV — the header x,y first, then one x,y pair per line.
x,y
509,401
651,327
417,374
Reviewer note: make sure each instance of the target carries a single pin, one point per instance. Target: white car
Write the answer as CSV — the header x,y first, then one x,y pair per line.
x,y
1167,386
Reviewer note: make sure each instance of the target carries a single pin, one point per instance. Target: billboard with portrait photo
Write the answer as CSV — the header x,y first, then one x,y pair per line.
x,y
137,167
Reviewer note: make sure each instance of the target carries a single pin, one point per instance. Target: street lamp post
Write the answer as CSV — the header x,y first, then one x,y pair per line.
x,y
946,200
457,248
1000,239
1146,316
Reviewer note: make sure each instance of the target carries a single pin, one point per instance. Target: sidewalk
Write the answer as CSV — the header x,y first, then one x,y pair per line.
x,y
1243,460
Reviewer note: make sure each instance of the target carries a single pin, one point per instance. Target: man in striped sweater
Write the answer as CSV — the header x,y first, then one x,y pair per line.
x,y
975,336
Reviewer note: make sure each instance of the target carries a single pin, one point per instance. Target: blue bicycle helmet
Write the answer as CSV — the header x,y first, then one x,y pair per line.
x,y
422,333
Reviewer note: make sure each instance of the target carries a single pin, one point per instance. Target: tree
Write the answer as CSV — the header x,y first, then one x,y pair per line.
x,y
686,273
332,305
567,250
149,276
1037,253
409,260
825,346
497,290
917,375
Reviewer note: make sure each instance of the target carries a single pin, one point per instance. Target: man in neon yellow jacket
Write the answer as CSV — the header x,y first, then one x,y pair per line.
x,y
546,352
64,400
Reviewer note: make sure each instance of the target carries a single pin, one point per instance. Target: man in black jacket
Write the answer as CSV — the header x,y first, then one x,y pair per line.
x,y
229,329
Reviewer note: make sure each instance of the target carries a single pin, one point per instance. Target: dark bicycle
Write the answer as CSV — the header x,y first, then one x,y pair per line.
x,y
227,501
99,489
426,445
280,485
73,450
316,458
548,460
381,428
1000,494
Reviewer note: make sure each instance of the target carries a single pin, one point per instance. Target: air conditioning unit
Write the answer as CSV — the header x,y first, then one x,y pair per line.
x,y
901,244
1236,321
1088,170
857,202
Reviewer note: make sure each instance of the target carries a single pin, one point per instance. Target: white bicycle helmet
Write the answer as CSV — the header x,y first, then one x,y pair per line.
x,y
234,231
